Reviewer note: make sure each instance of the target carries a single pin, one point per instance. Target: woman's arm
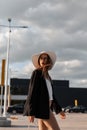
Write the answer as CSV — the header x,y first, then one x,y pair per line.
x,y
31,101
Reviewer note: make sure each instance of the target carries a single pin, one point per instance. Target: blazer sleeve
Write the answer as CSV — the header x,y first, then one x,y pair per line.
x,y
31,102
55,106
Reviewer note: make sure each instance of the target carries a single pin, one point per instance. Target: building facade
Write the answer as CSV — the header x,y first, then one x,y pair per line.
x,y
64,94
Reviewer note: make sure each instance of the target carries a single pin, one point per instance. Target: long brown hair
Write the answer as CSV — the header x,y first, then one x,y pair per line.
x,y
46,67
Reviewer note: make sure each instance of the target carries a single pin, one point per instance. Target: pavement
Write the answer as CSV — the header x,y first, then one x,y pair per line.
x,y
73,121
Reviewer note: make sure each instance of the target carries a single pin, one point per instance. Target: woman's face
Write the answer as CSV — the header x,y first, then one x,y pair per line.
x,y
43,60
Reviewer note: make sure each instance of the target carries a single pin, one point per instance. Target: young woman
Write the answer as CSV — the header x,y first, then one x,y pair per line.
x,y
41,101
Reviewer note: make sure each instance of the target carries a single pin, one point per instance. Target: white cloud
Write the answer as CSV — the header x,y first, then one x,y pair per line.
x,y
58,25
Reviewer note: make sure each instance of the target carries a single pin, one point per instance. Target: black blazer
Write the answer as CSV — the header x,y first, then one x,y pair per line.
x,y
37,103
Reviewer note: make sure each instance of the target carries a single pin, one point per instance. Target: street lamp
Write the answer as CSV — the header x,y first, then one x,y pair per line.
x,y
7,69
7,62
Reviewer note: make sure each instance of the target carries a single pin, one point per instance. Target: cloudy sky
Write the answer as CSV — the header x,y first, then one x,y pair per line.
x,y
53,25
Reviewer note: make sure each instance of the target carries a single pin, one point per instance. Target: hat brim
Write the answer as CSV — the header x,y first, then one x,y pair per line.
x,y
35,58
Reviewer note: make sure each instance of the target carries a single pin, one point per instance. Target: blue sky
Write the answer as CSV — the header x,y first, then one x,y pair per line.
x,y
58,25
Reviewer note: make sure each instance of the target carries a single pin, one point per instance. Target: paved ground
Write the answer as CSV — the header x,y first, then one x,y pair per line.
x,y
73,121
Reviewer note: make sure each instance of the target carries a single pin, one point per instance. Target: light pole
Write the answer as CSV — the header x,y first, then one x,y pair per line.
x,y
7,62
7,69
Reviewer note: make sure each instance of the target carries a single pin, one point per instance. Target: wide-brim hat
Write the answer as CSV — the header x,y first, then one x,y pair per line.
x,y
35,58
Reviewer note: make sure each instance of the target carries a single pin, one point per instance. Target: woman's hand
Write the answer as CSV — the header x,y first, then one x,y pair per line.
x,y
62,115
31,119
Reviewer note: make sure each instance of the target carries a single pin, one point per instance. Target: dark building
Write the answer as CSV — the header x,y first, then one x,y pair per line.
x,y
19,86
67,96
64,94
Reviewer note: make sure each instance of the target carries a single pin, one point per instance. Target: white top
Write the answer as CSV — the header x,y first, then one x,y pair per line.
x,y
49,87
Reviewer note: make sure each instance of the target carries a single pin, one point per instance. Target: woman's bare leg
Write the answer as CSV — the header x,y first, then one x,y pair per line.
x,y
41,125
49,124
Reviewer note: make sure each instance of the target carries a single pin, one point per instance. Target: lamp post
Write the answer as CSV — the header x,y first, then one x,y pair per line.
x,y
7,69
7,62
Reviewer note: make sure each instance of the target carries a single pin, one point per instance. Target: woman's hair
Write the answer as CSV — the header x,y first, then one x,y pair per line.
x,y
49,61
44,70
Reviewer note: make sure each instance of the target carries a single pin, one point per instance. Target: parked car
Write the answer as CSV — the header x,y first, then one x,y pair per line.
x,y
66,109
78,108
17,108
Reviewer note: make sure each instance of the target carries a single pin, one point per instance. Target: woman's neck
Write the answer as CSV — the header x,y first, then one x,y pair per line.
x,y
46,75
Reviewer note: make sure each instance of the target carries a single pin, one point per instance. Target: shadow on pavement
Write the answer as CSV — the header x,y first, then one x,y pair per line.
x,y
24,126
